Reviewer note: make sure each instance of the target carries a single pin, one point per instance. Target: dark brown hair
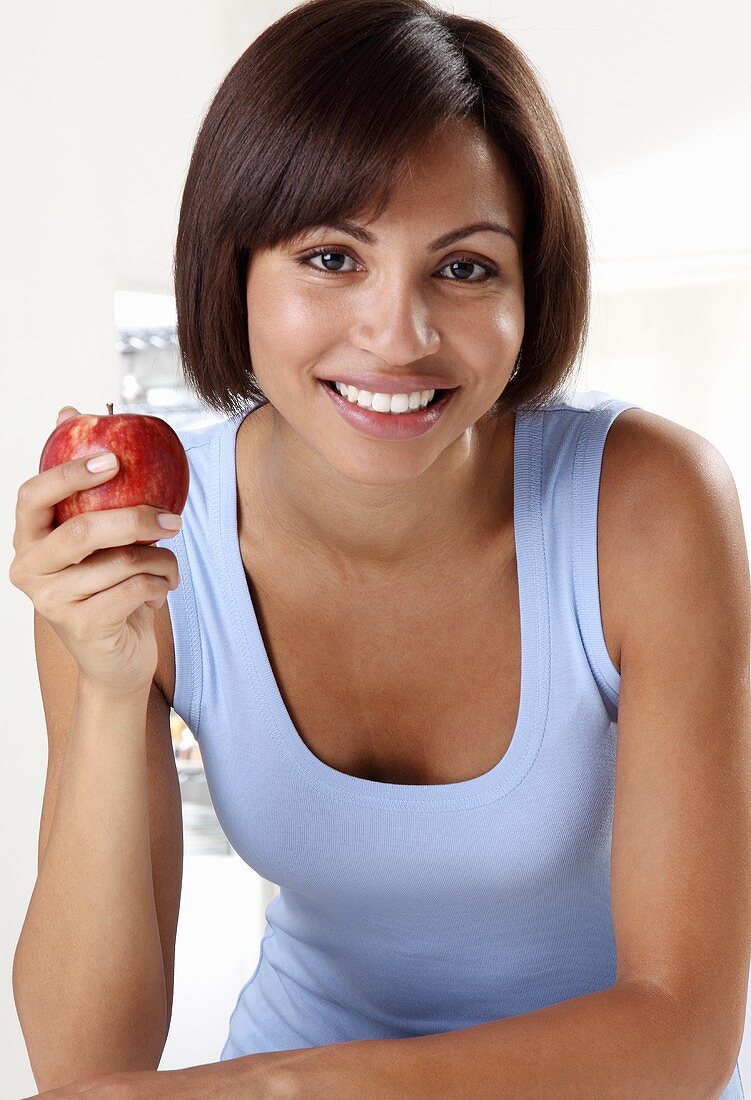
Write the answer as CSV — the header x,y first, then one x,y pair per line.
x,y
315,121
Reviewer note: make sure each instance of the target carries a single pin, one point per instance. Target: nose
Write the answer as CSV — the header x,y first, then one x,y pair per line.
x,y
396,326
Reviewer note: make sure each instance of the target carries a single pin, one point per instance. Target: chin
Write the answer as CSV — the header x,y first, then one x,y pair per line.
x,y
372,475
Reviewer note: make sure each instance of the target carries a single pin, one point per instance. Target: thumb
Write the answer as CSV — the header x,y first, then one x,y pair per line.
x,y
65,413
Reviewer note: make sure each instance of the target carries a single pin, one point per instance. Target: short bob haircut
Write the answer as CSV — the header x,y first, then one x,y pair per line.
x,y
315,121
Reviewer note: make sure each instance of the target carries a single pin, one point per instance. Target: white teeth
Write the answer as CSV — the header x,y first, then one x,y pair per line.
x,y
385,402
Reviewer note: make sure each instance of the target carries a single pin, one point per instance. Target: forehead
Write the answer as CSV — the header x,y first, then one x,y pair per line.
x,y
460,176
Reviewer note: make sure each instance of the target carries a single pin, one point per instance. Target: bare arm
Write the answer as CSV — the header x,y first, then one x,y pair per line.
x,y
619,1043
92,971
88,973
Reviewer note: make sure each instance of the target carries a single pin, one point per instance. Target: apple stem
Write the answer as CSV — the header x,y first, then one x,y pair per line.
x,y
109,408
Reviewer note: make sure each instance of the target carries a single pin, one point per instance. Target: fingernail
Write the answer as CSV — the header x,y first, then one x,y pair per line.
x,y
107,461
170,521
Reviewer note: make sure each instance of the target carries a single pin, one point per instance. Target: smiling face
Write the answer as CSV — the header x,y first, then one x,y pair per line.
x,y
402,306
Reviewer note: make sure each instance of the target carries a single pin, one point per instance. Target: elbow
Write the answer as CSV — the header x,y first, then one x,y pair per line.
x,y
54,1068
66,1046
723,1076
707,1054
710,1074
690,1057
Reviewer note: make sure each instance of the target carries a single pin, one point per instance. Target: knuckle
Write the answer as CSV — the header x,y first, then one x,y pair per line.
x,y
25,493
79,526
128,555
14,573
43,592
136,554
18,574
71,471
147,518
171,562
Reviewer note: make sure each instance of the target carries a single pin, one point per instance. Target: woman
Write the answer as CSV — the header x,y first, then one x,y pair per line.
x,y
414,566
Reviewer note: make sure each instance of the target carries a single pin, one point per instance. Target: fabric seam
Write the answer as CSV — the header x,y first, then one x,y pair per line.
x,y
194,630
595,636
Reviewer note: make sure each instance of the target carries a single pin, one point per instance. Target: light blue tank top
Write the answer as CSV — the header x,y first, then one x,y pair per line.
x,y
405,909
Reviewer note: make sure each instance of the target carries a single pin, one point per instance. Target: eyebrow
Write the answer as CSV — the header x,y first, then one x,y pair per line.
x,y
366,237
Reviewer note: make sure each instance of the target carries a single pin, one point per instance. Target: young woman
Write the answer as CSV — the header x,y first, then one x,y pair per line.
x,y
466,652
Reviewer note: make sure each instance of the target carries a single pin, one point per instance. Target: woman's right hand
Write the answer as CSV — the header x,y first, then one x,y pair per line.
x,y
95,588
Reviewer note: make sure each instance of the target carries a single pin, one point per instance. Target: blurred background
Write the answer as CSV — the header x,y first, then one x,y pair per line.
x,y
101,104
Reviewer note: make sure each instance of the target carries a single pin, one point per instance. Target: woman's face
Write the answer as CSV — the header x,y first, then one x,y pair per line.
x,y
397,306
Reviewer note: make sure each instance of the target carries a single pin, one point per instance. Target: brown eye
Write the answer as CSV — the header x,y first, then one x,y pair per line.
x,y
468,262
462,263
326,254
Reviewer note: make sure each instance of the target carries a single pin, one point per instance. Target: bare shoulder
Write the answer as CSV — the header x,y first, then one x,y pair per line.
x,y
651,463
642,441
661,485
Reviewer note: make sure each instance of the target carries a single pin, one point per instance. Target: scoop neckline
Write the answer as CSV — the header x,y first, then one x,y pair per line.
x,y
522,750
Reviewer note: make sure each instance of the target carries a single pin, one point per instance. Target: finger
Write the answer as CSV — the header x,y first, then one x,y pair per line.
x,y
65,413
106,568
81,535
37,497
109,609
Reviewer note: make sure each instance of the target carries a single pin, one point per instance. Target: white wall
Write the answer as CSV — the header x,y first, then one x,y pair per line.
x,y
100,107
684,352
99,110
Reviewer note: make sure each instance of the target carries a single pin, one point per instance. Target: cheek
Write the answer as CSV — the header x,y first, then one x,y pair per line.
x,y
488,348
488,337
289,317
505,315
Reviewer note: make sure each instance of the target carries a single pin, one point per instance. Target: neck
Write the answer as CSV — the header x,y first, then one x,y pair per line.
x,y
463,500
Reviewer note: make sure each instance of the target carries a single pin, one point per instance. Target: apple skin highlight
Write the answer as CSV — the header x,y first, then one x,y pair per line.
x,y
152,465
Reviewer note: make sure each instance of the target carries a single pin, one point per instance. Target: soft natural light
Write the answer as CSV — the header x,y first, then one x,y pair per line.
x,y
136,309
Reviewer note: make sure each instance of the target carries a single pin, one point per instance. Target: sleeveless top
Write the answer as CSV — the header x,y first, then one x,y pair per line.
x,y
411,909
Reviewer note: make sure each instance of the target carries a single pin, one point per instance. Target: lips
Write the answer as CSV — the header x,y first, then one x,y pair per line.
x,y
389,426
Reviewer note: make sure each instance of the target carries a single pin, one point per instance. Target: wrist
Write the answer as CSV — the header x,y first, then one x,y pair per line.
x,y
232,1079
93,692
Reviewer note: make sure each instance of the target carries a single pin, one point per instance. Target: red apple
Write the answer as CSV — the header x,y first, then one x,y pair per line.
x,y
153,467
